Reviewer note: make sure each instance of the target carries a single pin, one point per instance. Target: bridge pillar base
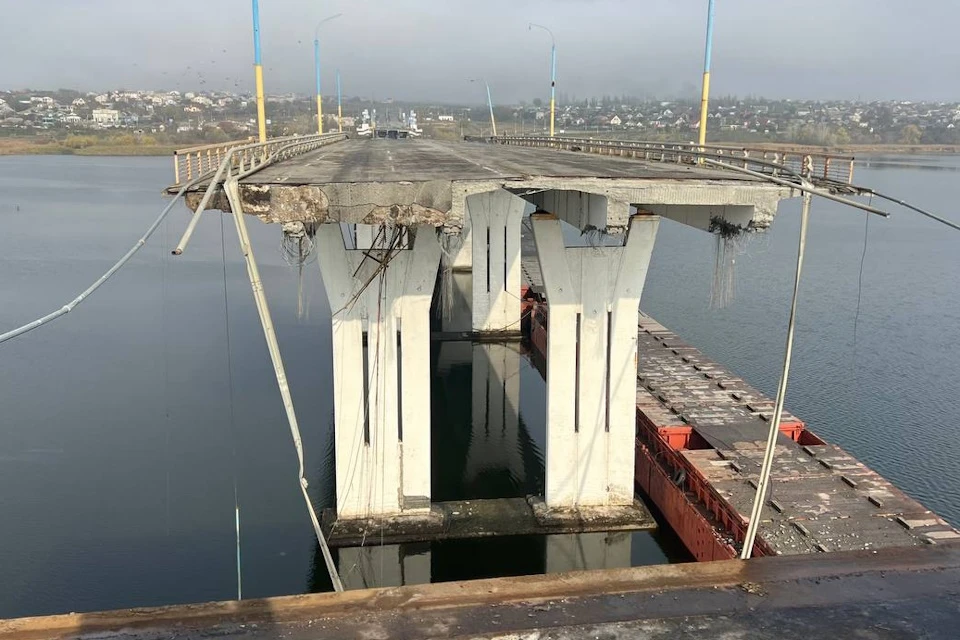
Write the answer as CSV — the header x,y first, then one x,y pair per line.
x,y
594,295
381,368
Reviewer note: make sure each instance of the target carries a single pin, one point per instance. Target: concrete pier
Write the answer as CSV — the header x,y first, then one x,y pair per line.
x,y
380,297
379,207
594,297
494,240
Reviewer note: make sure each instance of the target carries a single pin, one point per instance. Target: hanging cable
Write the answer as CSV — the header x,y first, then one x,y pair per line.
x,y
233,424
70,306
804,187
902,203
763,481
256,284
863,256
166,377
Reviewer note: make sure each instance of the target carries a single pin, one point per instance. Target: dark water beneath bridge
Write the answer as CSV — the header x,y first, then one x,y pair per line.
x,y
119,452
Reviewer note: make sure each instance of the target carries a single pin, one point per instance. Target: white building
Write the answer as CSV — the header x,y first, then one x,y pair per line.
x,y
445,118
106,116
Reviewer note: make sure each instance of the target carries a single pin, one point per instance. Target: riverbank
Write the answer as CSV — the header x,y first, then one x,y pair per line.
x,y
46,146
854,149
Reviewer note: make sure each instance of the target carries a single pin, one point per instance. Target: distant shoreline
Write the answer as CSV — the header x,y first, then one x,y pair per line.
x,y
853,150
29,147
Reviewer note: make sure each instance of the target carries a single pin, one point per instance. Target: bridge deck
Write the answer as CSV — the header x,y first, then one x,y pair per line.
x,y
429,160
417,182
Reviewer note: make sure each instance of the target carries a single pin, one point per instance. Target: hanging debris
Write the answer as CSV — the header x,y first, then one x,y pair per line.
x,y
297,248
450,245
731,243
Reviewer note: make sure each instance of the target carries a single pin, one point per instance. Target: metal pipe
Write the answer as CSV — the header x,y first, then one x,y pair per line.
x,y
273,346
70,306
214,184
707,57
258,73
774,433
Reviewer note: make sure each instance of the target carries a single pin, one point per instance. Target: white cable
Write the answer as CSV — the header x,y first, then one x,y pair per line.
x,y
233,194
763,481
70,306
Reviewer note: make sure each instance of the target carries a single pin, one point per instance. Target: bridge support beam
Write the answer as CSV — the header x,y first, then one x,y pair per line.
x,y
594,295
380,300
585,211
494,238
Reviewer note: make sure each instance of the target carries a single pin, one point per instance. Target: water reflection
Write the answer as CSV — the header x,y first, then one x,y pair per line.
x,y
481,446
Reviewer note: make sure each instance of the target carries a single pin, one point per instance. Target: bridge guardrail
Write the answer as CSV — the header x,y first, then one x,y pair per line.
x,y
834,170
242,160
194,162
191,162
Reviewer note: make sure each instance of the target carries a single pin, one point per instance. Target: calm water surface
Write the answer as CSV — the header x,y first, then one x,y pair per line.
x,y
119,452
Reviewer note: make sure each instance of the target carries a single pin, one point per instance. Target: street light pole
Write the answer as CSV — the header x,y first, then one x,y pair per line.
x,y
553,74
316,64
708,54
339,105
258,72
493,122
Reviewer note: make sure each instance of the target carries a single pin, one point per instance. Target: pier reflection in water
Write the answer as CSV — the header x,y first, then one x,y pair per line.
x,y
488,437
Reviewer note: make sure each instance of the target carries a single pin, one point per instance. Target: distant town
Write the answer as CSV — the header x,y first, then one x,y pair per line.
x,y
76,119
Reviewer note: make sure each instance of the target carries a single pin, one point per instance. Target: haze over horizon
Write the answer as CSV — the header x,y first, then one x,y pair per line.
x,y
426,49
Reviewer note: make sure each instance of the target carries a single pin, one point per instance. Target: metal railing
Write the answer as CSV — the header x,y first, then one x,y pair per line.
x,y
831,170
241,160
193,162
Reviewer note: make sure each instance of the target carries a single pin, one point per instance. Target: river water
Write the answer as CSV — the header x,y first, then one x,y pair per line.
x,y
127,426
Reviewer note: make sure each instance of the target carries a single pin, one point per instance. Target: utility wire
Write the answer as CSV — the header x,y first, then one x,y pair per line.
x,y
902,203
233,424
256,284
70,306
764,479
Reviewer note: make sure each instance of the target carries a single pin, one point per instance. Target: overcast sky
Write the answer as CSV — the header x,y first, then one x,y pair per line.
x,y
426,49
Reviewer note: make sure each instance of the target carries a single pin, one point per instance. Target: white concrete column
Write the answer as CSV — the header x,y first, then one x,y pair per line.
x,y
494,236
588,551
594,296
381,391
495,441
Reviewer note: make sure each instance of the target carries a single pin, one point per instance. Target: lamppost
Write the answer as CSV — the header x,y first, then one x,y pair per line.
x,y
553,73
258,72
493,122
705,95
316,64
339,105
